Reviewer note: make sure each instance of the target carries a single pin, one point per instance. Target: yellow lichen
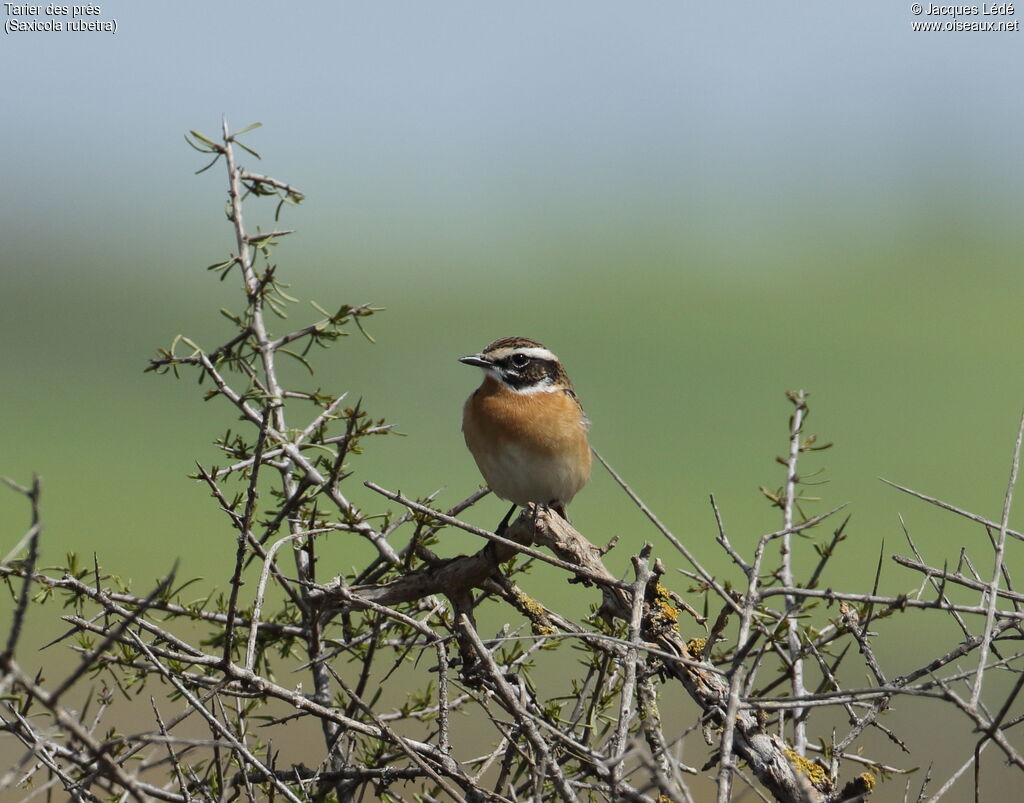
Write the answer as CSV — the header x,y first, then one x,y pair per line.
x,y
696,645
868,779
537,616
814,773
662,605
531,606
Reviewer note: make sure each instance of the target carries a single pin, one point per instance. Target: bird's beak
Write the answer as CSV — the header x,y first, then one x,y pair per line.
x,y
477,360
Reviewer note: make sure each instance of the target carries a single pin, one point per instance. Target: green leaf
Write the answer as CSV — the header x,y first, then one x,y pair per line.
x,y
208,166
245,147
208,142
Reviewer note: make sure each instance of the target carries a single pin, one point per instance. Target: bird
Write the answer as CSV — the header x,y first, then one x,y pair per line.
x,y
525,426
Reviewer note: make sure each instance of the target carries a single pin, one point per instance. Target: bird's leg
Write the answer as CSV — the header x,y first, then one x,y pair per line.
x,y
559,509
500,530
504,522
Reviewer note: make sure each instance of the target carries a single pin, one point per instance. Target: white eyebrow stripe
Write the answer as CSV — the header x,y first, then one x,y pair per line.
x,y
536,353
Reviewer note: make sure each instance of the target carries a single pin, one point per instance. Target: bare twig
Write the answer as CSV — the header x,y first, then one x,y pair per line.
x,y
993,590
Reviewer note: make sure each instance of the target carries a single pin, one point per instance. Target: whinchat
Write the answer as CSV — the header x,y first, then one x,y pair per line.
x,y
525,426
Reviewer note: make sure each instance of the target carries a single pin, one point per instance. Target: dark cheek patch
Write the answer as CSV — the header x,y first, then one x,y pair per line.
x,y
533,373
516,380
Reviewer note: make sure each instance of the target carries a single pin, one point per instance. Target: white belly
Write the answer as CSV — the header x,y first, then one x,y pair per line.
x,y
523,476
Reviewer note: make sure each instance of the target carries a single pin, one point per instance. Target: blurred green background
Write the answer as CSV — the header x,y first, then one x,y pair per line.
x,y
696,208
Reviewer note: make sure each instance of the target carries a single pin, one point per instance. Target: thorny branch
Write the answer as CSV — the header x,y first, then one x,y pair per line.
x,y
391,663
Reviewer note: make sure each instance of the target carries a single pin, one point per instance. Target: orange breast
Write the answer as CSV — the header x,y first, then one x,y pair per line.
x,y
530,447
545,422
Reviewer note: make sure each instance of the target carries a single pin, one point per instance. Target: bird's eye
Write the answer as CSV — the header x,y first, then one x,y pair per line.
x,y
519,360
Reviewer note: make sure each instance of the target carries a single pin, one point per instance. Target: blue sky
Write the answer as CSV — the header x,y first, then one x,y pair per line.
x,y
480,109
